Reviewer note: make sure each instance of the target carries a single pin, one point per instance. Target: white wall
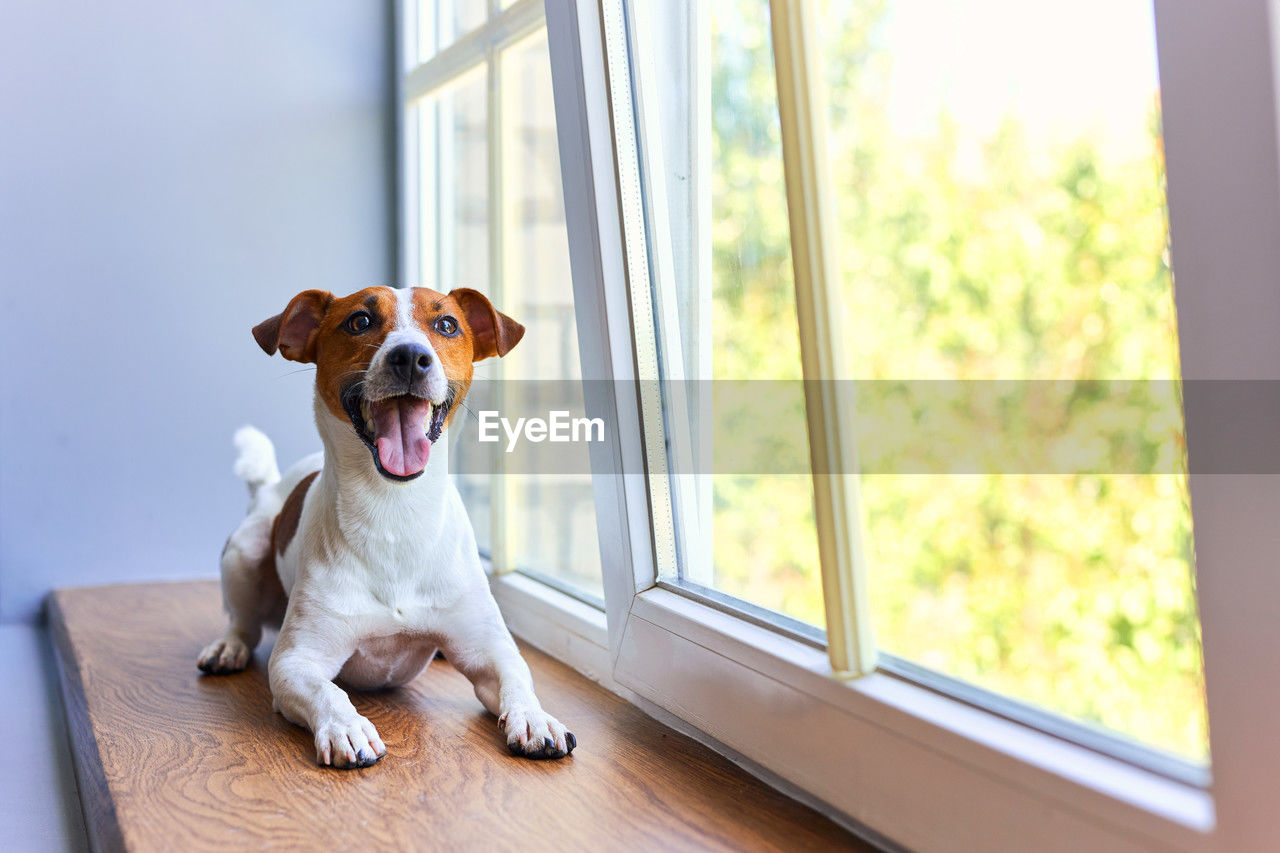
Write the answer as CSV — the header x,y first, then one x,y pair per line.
x,y
170,174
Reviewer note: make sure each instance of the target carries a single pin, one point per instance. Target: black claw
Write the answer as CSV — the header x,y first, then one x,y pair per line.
x,y
363,759
546,750
213,667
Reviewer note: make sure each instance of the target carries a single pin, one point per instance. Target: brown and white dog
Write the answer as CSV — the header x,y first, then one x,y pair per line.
x,y
363,555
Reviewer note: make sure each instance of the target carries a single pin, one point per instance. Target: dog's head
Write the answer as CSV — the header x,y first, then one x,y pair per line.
x,y
393,363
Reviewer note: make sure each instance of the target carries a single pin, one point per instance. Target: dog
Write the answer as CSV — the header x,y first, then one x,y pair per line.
x,y
363,555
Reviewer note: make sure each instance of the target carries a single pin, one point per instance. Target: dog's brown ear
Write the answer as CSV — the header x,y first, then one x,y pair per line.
x,y
293,331
492,332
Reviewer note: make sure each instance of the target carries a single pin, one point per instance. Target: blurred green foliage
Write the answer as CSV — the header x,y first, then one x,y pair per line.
x,y
1002,260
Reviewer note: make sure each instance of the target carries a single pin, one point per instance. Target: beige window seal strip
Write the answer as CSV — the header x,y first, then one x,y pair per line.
x,y
802,110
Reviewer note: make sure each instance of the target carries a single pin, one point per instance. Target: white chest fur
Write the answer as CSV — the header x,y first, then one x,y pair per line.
x,y
391,558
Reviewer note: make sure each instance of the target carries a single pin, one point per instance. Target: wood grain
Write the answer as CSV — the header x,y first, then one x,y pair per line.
x,y
169,759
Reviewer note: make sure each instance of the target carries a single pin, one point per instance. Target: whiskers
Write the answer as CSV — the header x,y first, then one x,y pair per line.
x,y
455,388
469,411
312,369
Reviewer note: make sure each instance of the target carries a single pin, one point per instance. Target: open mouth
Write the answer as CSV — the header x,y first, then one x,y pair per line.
x,y
399,431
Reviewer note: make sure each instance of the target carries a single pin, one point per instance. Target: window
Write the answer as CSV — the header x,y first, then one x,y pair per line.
x,y
999,219
489,214
778,301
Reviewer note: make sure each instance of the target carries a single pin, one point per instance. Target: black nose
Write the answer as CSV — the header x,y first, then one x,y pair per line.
x,y
409,362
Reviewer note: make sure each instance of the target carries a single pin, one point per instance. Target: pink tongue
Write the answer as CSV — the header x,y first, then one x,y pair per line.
x,y
400,426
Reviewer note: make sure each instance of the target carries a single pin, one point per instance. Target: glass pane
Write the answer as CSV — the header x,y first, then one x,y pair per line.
x,y
426,29
461,176
761,545
725,310
550,524
764,542
999,183
454,216
442,22
543,522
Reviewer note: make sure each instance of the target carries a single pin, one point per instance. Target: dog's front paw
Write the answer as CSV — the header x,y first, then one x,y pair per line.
x,y
536,734
226,656
350,744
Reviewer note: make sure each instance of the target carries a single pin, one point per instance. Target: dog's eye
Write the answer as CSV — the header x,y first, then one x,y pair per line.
x,y
358,322
447,326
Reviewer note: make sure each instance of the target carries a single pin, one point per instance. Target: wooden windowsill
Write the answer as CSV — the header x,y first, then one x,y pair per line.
x,y
170,759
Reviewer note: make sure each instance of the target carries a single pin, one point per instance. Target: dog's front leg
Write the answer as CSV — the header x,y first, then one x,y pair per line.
x,y
307,657
485,653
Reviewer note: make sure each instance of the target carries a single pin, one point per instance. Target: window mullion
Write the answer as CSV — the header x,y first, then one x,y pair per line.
x,y
802,114
499,492
1217,70
638,280
684,434
594,209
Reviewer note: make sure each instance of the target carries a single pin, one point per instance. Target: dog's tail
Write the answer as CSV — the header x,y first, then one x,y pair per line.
x,y
256,462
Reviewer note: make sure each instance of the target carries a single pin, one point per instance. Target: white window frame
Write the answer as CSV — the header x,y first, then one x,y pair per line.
x,y
925,770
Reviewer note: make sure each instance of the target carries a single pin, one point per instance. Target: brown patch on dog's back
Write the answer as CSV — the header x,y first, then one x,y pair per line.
x,y
286,523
